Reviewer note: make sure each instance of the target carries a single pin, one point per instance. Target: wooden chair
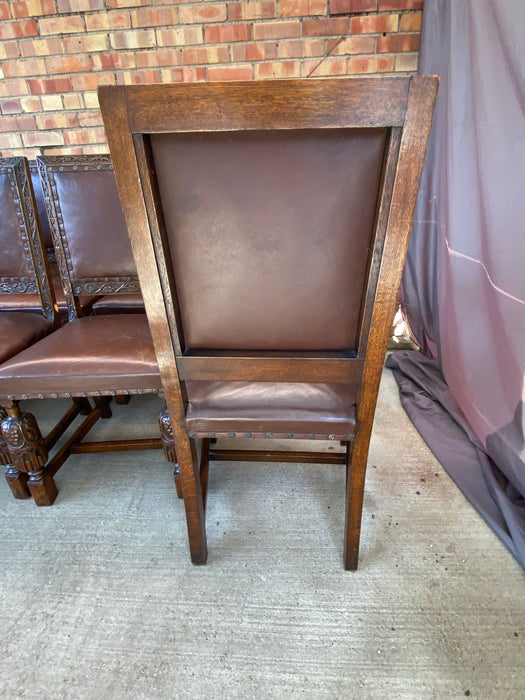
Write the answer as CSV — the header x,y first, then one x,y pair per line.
x,y
24,274
103,356
269,223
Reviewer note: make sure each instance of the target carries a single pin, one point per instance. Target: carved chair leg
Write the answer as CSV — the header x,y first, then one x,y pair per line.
x,y
168,445
29,454
17,480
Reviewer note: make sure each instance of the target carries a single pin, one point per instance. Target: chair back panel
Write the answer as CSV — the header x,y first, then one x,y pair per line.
x,y
88,217
270,233
13,257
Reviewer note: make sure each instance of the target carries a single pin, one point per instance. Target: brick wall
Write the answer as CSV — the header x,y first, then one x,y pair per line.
x,y
54,54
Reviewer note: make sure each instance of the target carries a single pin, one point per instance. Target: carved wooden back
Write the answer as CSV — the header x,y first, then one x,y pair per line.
x,y
89,232
24,268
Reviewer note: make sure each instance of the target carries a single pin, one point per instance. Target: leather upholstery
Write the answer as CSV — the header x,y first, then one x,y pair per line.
x,y
97,237
96,354
268,407
119,304
12,257
290,196
19,329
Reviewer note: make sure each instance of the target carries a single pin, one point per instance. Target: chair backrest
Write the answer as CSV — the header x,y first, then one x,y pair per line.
x,y
269,220
45,228
89,232
24,267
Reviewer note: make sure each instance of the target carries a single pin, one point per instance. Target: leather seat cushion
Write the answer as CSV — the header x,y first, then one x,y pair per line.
x,y
119,304
20,329
268,407
93,354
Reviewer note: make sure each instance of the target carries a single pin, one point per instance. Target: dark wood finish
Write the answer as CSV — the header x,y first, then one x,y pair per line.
x,y
402,104
294,457
270,369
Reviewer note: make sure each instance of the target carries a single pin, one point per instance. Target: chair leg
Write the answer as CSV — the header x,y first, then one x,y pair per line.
x,y
356,461
168,445
29,454
193,499
17,481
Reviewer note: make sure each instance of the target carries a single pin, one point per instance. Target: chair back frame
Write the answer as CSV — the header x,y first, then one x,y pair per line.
x,y
404,106
38,281
73,285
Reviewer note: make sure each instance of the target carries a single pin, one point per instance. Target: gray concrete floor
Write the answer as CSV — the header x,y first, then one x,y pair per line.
x,y
100,599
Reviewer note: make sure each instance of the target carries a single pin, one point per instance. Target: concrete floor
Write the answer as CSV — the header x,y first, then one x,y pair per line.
x,y
100,599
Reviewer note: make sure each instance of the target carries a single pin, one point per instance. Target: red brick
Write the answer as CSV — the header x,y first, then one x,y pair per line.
x,y
230,73
11,107
374,24
59,120
254,52
205,54
31,104
87,43
179,36
117,4
144,77
48,85
138,39
372,64
23,123
80,5
276,30
8,49
71,24
328,66
325,27
90,118
407,62
154,17
400,5
344,7
17,69
108,20
4,10
183,75
33,8
301,49
193,14
266,9
42,138
13,88
158,57
10,141
410,22
76,137
41,47
68,64
90,81
17,30
226,33
280,69
352,45
395,43
302,8
113,61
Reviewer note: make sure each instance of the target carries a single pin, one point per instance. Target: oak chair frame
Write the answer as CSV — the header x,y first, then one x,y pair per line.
x,y
403,105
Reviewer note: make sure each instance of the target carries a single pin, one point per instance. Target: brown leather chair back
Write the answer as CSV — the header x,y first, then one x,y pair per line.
x,y
269,234
24,269
89,231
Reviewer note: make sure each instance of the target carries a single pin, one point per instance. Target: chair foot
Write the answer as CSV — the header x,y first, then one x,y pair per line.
x,y
29,454
17,482
168,445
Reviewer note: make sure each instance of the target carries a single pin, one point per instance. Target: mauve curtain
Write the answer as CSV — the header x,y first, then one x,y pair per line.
x,y
464,281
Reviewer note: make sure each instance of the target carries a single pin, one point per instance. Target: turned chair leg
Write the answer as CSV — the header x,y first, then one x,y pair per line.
x,y
29,455
17,480
168,445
